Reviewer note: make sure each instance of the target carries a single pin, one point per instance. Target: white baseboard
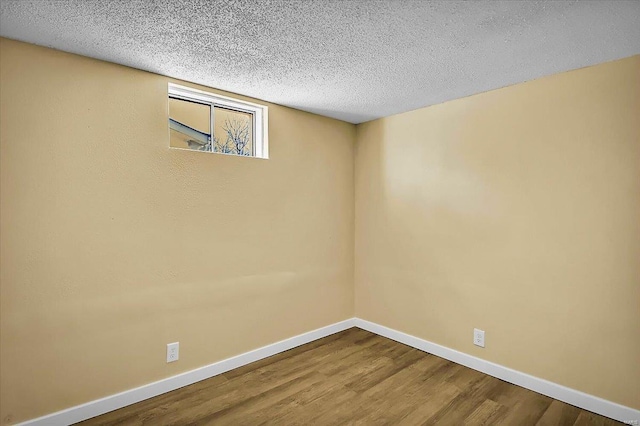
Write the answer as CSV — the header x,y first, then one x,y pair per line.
x,y
545,387
123,399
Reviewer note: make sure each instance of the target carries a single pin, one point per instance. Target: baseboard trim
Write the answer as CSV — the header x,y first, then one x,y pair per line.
x,y
132,396
545,387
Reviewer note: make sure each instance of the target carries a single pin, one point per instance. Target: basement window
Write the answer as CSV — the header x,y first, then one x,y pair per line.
x,y
202,121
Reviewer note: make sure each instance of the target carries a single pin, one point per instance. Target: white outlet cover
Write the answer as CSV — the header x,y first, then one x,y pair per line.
x,y
478,337
173,351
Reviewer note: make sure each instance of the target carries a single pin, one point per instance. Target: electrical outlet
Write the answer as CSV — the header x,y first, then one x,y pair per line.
x,y
478,337
173,351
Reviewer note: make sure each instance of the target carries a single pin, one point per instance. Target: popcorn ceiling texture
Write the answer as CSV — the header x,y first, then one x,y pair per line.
x,y
352,60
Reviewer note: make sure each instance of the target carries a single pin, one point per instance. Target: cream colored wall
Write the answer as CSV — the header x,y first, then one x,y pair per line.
x,y
197,116
517,212
194,115
113,245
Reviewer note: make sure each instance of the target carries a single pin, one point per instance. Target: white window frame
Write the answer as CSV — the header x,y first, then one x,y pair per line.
x,y
260,114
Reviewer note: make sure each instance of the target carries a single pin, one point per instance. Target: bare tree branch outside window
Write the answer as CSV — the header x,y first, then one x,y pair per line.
x,y
203,121
237,138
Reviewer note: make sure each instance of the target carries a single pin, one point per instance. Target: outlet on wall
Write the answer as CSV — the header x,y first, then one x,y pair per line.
x,y
478,337
173,351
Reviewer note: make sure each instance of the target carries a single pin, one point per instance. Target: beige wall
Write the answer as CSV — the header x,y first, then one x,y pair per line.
x,y
518,212
113,245
193,114
515,211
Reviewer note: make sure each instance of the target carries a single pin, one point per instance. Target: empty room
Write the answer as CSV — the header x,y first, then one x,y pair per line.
x,y
319,212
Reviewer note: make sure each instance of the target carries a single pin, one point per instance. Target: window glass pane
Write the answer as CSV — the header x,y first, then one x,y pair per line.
x,y
190,125
233,132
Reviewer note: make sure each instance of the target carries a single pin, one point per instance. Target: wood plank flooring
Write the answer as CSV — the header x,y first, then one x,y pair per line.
x,y
353,377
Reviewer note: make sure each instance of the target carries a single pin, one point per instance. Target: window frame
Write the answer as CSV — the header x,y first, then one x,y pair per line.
x,y
259,114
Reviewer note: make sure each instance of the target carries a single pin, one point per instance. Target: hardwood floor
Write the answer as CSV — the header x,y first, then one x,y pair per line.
x,y
352,377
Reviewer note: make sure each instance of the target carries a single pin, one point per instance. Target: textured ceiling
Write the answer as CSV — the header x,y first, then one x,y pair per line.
x,y
353,60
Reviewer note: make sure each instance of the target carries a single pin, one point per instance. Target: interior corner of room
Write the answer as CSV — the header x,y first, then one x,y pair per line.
x,y
515,212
